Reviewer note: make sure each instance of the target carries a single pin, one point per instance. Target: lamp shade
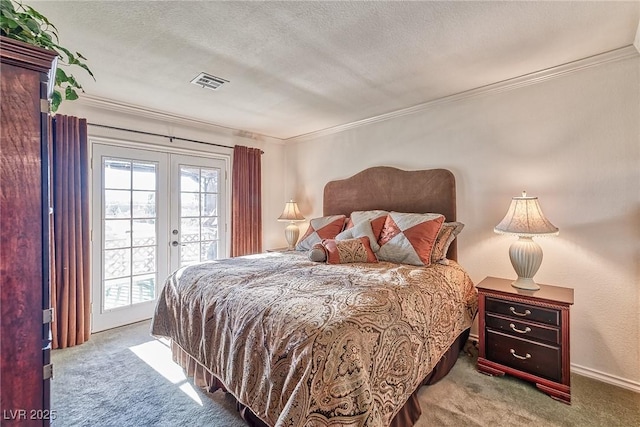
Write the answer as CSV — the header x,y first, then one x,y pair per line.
x,y
525,218
291,212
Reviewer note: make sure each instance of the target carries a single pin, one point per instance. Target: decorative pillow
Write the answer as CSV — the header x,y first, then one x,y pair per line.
x,y
377,218
447,234
361,229
326,227
317,253
350,250
408,238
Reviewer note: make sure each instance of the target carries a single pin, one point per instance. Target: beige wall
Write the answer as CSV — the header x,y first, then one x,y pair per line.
x,y
573,141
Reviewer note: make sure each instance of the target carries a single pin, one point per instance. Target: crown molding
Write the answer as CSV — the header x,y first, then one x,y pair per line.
x,y
626,52
139,111
536,77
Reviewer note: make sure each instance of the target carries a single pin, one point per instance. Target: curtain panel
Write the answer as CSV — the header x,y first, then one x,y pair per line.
x,y
70,278
246,201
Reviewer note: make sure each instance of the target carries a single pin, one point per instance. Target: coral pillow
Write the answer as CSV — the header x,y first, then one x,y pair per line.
x,y
408,238
326,227
376,217
350,250
447,234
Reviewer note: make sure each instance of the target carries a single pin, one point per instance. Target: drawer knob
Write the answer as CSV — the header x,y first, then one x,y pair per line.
x,y
520,331
517,356
513,310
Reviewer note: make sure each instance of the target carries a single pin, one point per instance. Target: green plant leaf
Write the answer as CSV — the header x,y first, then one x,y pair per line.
x,y
72,81
33,25
61,76
86,68
24,23
56,99
7,23
7,6
38,15
70,94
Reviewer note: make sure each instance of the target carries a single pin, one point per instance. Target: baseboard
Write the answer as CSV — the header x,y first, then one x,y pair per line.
x,y
595,374
606,378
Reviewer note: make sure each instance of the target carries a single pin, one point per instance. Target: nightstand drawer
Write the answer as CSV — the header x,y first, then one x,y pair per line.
x,y
528,356
528,330
523,311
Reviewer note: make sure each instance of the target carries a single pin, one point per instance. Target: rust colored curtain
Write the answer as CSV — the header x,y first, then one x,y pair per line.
x,y
70,286
246,202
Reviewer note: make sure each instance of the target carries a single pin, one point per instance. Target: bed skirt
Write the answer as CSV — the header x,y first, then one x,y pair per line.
x,y
407,416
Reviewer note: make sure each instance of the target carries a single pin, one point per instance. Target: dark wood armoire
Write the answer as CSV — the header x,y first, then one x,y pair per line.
x,y
26,73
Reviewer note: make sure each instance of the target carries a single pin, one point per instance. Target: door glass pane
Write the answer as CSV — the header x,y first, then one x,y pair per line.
x,y
144,204
130,234
144,176
209,205
189,179
190,230
117,293
209,229
144,232
144,260
209,180
117,233
189,253
208,251
144,288
117,174
117,203
189,204
117,263
199,200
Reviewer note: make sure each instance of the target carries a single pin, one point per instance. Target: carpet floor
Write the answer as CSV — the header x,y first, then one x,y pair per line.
x,y
125,377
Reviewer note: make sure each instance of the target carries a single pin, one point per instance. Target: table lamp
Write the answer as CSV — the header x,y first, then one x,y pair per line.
x,y
525,220
293,215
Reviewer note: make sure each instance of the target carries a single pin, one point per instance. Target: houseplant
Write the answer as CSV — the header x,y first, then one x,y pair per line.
x,y
22,22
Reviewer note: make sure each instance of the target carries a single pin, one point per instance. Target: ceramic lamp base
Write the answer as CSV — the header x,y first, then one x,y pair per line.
x,y
291,233
526,257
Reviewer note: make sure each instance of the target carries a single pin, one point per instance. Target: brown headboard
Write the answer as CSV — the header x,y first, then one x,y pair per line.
x,y
391,189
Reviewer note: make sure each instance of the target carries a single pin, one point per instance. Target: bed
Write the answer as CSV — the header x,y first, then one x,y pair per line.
x,y
302,343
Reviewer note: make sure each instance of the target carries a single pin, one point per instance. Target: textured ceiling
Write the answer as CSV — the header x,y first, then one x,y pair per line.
x,y
300,67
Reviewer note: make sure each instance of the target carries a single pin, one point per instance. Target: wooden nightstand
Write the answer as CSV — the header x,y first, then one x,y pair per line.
x,y
526,334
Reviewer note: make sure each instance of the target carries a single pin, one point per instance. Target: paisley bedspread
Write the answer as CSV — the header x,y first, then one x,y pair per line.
x,y
311,344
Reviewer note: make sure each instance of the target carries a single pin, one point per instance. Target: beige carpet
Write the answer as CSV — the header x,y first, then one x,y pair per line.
x,y
125,377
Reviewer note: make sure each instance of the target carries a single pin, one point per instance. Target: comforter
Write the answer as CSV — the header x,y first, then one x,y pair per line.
x,y
308,344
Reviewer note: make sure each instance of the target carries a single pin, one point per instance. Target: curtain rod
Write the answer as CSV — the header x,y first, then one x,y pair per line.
x,y
171,138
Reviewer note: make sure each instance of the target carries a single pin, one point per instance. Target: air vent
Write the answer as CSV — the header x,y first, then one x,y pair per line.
x,y
208,81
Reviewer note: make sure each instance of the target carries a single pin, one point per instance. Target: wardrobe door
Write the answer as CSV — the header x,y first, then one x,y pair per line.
x,y
24,234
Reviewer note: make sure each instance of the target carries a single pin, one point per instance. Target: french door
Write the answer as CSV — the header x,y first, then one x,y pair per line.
x,y
153,212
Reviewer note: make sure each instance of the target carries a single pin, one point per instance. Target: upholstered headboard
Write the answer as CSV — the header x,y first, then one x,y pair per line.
x,y
391,189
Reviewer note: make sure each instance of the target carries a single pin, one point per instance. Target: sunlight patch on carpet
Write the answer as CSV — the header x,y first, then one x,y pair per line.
x,y
158,356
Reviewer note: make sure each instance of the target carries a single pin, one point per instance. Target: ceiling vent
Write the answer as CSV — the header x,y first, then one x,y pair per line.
x,y
208,81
